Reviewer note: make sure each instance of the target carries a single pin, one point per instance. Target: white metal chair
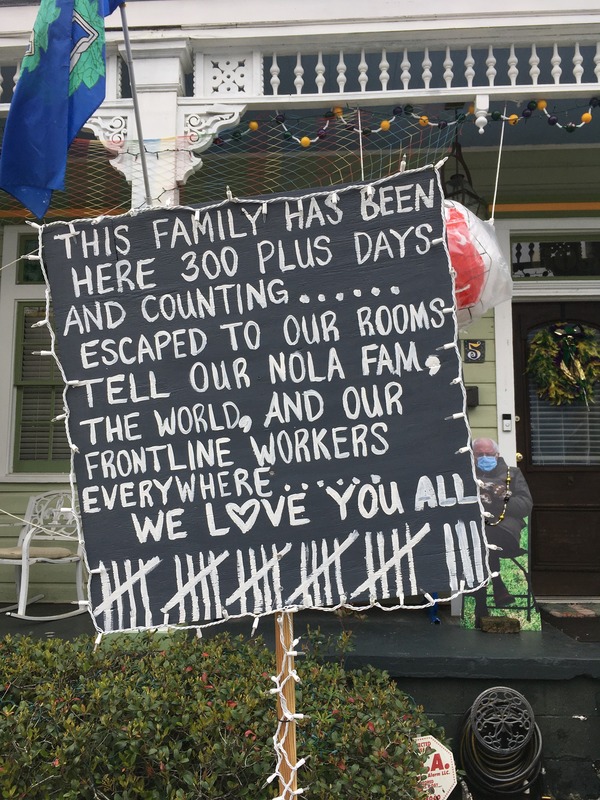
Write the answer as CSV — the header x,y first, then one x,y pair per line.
x,y
49,519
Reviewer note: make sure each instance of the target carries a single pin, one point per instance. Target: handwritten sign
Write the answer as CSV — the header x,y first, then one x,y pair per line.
x,y
265,403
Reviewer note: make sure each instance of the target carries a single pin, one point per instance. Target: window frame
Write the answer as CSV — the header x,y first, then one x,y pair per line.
x,y
565,423
508,230
55,387
13,293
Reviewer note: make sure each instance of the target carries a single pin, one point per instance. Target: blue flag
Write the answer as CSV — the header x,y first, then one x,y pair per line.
x,y
62,83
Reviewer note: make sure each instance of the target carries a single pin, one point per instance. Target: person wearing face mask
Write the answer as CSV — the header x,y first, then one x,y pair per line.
x,y
507,500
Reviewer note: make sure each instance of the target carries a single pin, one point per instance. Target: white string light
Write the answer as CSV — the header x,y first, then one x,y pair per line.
x,y
285,771
69,384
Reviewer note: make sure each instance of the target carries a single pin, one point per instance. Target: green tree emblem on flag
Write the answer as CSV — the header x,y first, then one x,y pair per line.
x,y
47,14
87,64
87,54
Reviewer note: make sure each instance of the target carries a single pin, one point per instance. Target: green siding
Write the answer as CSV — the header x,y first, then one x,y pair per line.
x,y
483,419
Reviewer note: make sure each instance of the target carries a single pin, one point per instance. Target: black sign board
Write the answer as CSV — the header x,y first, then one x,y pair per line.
x,y
266,405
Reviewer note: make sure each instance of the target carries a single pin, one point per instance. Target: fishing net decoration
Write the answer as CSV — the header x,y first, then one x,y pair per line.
x,y
263,155
92,187
270,151
267,152
274,152
278,152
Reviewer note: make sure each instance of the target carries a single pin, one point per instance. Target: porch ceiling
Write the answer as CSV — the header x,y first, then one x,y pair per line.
x,y
563,175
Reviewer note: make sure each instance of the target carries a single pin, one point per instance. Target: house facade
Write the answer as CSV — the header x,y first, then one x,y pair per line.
x,y
251,99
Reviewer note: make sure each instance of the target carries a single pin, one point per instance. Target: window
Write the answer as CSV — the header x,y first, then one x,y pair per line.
x,y
41,444
28,272
556,259
564,434
32,446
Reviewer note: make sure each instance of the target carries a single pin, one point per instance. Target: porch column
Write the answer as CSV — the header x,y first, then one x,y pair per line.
x,y
172,135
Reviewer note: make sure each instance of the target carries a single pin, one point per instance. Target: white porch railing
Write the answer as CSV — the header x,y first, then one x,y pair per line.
x,y
271,78
557,69
211,79
276,78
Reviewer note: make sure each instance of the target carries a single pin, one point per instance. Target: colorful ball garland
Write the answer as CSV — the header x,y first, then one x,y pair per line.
x,y
542,105
385,125
423,120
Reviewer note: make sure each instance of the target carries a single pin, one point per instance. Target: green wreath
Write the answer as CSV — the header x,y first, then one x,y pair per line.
x,y
564,362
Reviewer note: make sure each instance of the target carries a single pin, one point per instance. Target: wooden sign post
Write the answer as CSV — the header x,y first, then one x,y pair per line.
x,y
284,638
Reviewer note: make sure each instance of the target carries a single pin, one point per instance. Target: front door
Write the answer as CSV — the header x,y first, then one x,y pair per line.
x,y
560,449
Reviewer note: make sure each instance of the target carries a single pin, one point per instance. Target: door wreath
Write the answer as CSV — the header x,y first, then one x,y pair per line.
x,y
564,362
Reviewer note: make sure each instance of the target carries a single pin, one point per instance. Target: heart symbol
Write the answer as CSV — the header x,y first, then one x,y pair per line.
x,y
243,515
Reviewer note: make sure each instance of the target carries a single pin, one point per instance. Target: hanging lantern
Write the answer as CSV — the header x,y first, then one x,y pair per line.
x,y
458,184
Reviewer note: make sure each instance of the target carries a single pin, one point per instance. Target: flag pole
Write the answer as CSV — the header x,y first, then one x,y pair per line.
x,y
136,108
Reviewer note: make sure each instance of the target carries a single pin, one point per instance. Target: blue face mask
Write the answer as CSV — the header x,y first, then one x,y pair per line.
x,y
487,463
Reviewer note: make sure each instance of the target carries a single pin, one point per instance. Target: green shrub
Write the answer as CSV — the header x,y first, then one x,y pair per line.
x,y
171,716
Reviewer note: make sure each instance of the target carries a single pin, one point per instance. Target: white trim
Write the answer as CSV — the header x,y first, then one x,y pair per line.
x,y
524,290
505,371
505,383
543,288
533,227
11,294
44,478
8,301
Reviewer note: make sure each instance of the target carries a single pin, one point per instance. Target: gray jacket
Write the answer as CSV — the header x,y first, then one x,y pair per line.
x,y
493,493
